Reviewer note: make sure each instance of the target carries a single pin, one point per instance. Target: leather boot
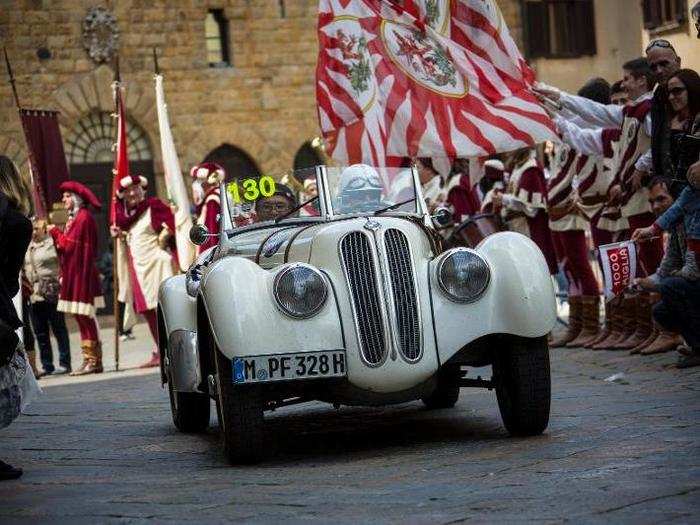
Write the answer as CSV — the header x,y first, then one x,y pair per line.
x,y
590,313
665,342
86,359
572,331
644,323
614,312
92,364
655,331
629,322
605,331
153,362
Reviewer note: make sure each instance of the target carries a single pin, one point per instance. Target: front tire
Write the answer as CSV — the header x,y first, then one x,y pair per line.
x,y
446,394
523,385
190,410
240,410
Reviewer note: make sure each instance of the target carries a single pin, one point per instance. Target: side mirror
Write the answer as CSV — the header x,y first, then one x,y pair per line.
x,y
199,234
441,217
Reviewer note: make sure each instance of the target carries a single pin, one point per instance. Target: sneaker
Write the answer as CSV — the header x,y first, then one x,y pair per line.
x,y
61,370
44,373
9,472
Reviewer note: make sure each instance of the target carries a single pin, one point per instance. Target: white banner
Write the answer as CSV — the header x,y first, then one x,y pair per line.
x,y
174,182
619,263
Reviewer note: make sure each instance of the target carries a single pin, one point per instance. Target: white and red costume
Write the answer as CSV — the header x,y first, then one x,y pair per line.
x,y
525,208
143,261
207,178
630,126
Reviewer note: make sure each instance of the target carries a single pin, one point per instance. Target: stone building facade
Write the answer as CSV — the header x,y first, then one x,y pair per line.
x,y
255,114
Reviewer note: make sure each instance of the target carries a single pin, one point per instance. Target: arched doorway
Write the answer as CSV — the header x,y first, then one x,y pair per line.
x,y
306,157
91,159
236,162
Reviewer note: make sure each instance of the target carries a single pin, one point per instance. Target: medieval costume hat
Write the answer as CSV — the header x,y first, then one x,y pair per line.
x,y
81,191
493,169
131,180
209,173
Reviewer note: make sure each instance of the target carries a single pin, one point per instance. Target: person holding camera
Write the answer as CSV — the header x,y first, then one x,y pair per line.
x,y
17,383
41,269
683,89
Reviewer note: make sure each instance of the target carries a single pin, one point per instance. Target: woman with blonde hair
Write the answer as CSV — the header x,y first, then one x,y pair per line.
x,y
17,383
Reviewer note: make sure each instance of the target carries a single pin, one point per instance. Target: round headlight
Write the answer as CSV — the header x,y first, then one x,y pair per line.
x,y
463,275
300,291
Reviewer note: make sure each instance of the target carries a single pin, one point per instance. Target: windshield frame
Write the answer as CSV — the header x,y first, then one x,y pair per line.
x,y
420,208
325,201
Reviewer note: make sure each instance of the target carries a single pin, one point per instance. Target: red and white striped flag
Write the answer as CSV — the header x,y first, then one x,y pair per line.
x,y
422,78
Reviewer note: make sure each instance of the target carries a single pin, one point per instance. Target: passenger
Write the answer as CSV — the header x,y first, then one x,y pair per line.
x,y
359,190
277,205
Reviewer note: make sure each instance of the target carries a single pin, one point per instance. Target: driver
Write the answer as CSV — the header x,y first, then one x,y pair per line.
x,y
360,189
278,204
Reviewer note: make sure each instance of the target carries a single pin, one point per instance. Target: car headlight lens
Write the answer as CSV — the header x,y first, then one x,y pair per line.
x,y
300,291
463,275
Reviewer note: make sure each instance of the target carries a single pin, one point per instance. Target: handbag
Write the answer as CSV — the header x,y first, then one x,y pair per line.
x,y
49,288
8,342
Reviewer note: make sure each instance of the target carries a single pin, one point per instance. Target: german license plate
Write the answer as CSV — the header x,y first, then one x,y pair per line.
x,y
284,367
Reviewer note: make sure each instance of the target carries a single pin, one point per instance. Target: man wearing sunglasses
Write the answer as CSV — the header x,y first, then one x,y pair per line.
x,y
664,62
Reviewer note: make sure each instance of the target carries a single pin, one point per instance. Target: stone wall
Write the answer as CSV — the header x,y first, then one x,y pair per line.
x,y
264,104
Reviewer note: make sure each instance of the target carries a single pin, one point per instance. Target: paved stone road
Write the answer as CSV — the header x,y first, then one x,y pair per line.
x,y
106,451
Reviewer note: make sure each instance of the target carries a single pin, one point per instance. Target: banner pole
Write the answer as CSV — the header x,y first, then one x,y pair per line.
x,y
115,240
12,78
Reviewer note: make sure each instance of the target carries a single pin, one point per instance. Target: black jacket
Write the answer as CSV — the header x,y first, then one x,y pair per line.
x,y
15,234
659,134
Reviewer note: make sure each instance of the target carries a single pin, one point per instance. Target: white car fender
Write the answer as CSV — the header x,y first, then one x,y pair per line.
x,y
178,308
519,299
245,319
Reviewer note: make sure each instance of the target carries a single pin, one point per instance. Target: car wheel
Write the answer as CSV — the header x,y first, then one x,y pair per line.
x,y
240,411
445,395
190,410
523,385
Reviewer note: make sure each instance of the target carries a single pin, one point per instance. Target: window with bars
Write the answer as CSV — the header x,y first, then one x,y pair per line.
x,y
93,137
216,37
559,28
664,14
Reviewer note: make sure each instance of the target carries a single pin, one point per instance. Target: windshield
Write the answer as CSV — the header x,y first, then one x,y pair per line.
x,y
363,189
357,189
271,198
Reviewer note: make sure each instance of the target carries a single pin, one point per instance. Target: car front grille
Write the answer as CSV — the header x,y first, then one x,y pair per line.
x,y
360,270
405,301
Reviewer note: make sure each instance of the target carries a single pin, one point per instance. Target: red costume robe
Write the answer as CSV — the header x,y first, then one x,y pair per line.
x,y
146,264
77,252
462,197
208,213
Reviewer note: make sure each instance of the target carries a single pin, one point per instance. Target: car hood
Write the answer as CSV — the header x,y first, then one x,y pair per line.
x,y
271,247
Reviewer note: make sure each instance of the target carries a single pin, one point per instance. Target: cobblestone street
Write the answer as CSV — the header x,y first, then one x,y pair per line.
x,y
615,451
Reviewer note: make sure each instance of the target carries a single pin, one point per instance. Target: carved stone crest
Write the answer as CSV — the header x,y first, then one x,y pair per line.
x,y
100,34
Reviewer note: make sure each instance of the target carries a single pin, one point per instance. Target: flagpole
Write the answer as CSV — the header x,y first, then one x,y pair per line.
x,y
12,78
115,241
155,61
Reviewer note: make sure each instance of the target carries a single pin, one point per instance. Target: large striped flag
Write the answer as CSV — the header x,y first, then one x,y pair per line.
x,y
422,78
173,181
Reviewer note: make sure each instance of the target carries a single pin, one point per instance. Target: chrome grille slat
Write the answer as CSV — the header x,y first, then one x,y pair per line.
x,y
361,273
405,300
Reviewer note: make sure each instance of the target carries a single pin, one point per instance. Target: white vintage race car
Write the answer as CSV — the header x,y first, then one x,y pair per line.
x,y
351,300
